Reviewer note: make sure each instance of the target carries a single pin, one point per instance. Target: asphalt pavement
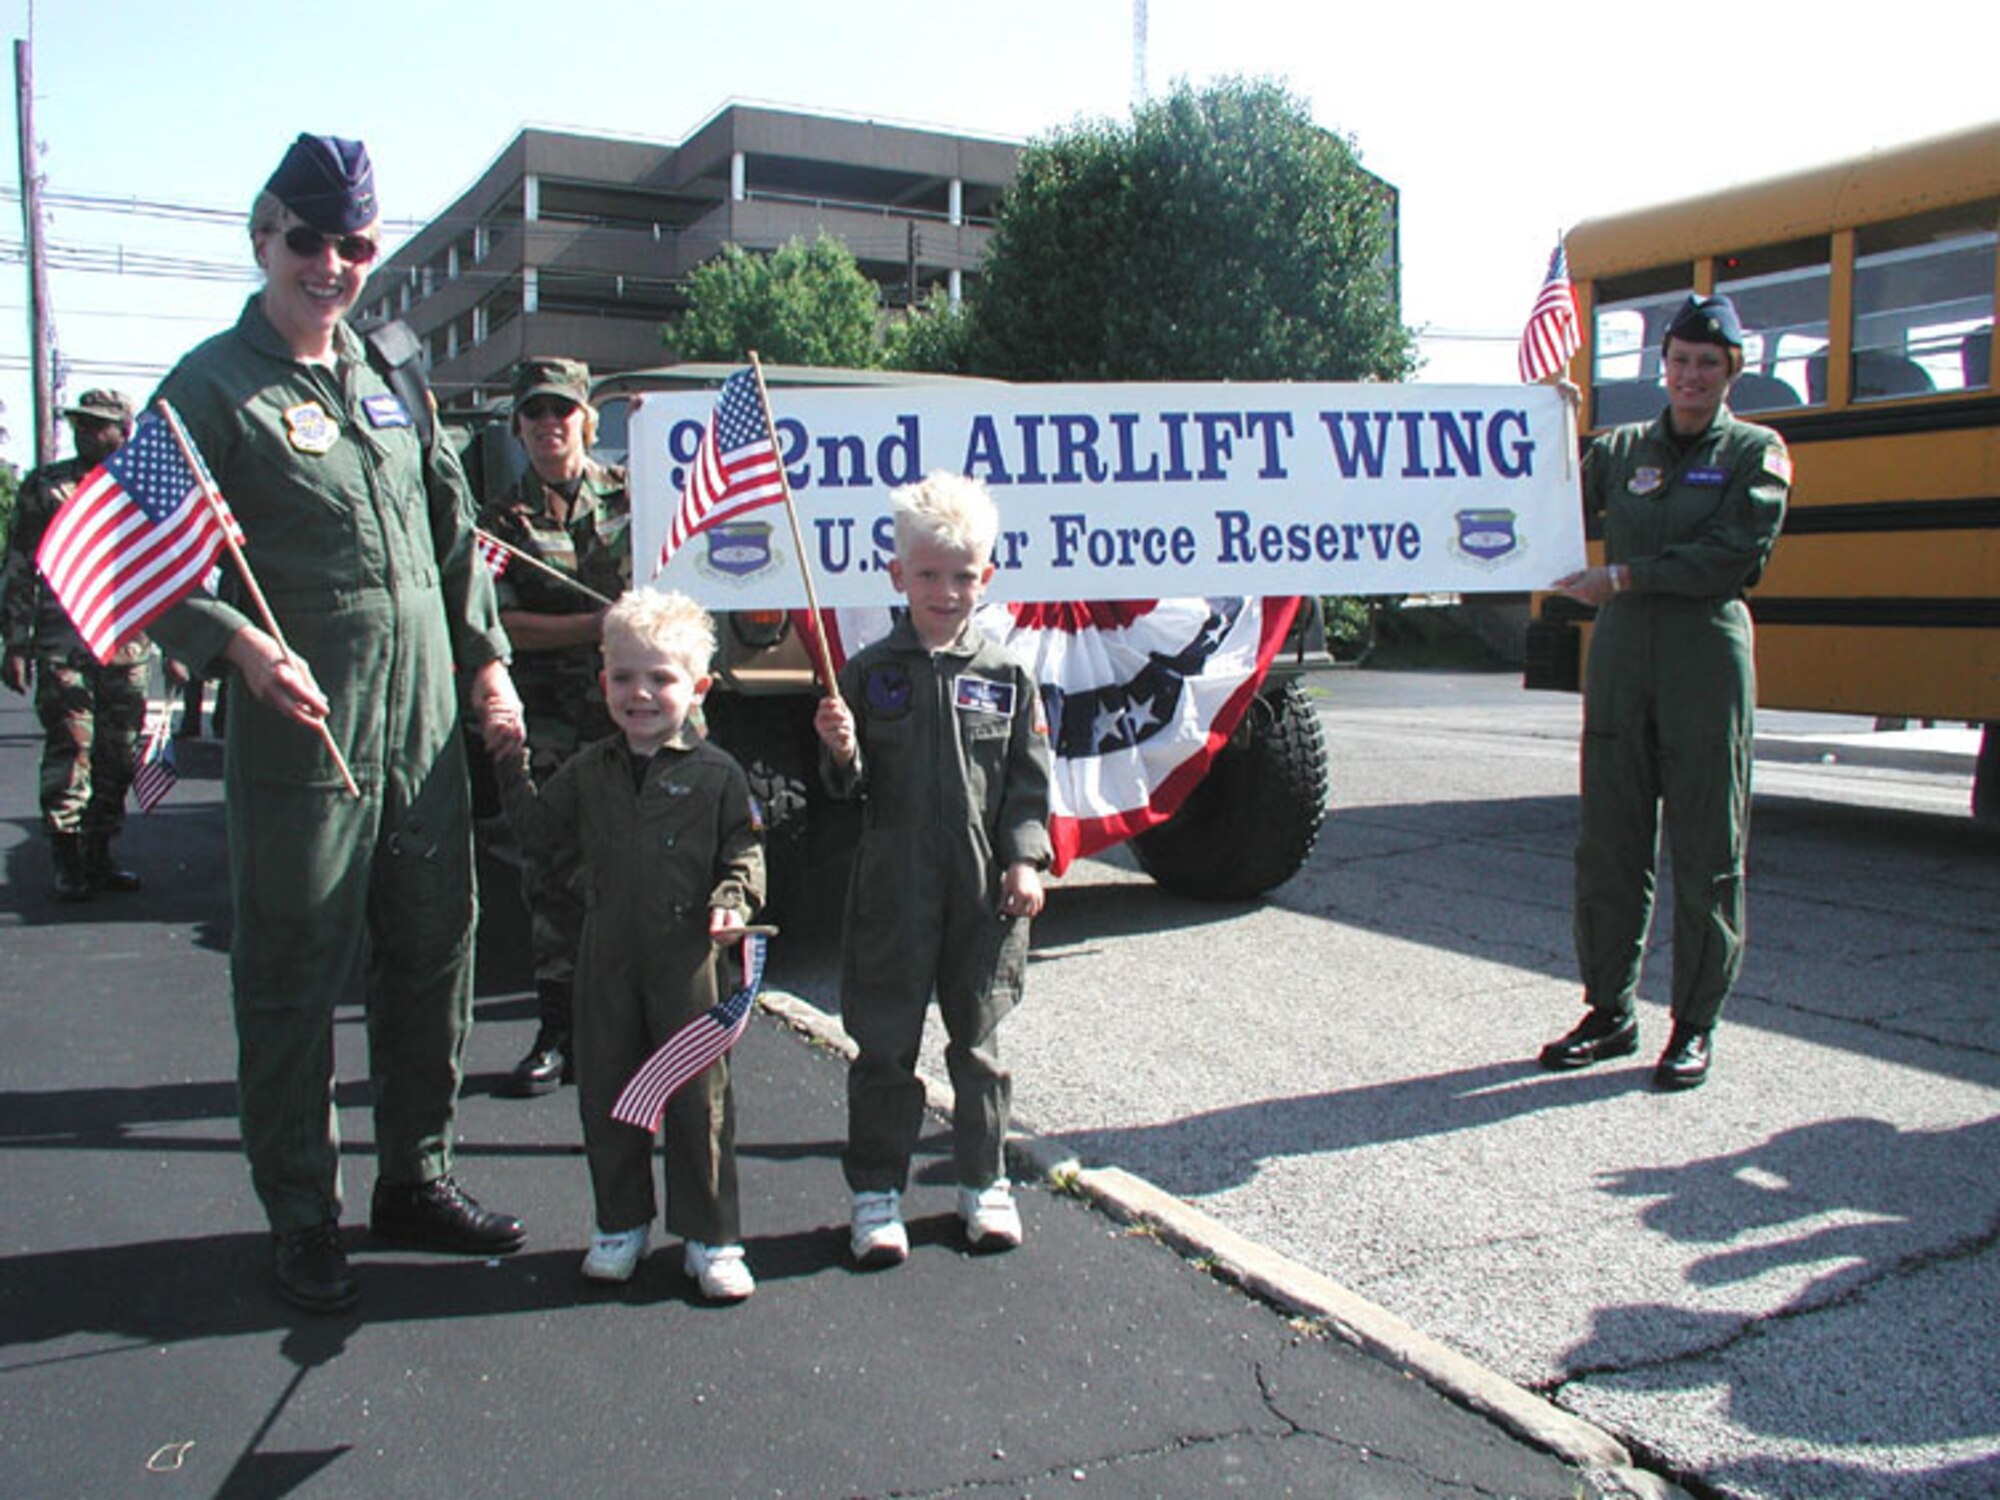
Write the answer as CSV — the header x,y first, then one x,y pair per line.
x,y
1780,1287
142,1351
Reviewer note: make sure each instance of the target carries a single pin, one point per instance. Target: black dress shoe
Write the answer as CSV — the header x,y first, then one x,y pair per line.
x,y
441,1215
546,1066
1597,1038
312,1269
1684,1065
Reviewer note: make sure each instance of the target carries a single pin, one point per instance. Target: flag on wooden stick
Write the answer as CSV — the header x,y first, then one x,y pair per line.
x,y
157,772
690,1051
736,468
1552,335
493,553
136,538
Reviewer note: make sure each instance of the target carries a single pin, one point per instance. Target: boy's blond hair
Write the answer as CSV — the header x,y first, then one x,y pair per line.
x,y
950,509
671,624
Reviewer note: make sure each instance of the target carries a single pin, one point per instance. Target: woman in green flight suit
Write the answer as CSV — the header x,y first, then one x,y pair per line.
x,y
360,532
1692,503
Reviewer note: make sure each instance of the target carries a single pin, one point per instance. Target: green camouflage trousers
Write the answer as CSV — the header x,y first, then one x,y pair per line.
x,y
92,717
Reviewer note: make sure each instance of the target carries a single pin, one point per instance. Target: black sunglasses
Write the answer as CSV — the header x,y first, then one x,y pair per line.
x,y
306,243
537,407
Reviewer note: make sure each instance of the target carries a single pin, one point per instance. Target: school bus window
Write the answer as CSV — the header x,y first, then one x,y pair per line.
x,y
1631,317
1782,295
1923,303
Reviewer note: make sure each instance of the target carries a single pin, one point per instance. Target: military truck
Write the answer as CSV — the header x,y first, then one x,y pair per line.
x,y
1245,828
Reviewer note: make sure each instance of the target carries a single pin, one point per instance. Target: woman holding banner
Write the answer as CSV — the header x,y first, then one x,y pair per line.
x,y
360,530
1691,503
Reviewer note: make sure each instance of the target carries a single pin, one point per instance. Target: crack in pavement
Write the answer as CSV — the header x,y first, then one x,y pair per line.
x,y
1295,1429
1754,1327
1877,1024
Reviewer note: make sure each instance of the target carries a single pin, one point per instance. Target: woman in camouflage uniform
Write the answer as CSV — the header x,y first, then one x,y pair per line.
x,y
570,513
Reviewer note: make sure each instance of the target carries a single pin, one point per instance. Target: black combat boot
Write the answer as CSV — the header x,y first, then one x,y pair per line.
x,y
101,870
547,1065
71,882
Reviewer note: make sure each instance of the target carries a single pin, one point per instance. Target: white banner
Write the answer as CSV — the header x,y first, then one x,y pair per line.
x,y
1141,491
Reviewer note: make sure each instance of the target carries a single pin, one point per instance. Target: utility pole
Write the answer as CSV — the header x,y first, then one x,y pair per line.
x,y
38,276
1138,55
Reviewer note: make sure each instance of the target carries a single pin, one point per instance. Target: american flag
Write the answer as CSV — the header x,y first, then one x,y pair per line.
x,y
689,1051
156,773
134,540
492,552
1551,336
736,469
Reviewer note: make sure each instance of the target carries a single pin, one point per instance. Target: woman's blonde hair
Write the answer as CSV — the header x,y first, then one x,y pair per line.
x,y
267,214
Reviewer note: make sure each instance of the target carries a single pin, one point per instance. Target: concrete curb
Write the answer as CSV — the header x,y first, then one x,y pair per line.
x,y
1289,1286
1891,751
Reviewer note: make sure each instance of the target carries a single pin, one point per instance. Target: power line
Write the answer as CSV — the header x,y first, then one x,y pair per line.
x,y
120,313
153,208
19,362
116,260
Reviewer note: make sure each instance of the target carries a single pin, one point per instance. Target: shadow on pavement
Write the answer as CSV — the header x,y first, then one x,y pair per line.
x,y
1203,1154
1862,1221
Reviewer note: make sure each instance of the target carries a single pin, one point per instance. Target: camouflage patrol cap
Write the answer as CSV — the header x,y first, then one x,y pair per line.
x,y
328,182
548,376
101,406
1706,320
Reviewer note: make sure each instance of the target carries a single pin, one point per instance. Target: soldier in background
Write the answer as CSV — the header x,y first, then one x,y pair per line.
x,y
570,513
92,713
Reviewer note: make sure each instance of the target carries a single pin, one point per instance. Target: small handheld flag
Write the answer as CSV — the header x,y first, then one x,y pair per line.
x,y
689,1051
136,538
492,552
157,772
496,555
1552,335
736,468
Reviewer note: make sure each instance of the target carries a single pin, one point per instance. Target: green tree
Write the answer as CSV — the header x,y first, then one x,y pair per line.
x,y
804,304
1221,234
935,336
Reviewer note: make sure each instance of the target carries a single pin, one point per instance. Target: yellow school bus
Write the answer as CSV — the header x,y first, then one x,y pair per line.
x,y
1866,291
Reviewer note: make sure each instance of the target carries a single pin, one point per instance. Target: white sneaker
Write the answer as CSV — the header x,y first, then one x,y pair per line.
x,y
614,1257
722,1272
992,1222
876,1233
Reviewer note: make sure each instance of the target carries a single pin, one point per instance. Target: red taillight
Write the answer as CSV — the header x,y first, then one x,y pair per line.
x,y
760,629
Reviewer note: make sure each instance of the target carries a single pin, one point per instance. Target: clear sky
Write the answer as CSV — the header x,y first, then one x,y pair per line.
x,y
1500,122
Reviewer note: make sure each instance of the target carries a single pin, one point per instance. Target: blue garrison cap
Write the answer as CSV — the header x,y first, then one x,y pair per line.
x,y
328,182
1706,320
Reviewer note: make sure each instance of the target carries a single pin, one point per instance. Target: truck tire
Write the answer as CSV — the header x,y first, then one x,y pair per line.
x,y
1251,822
